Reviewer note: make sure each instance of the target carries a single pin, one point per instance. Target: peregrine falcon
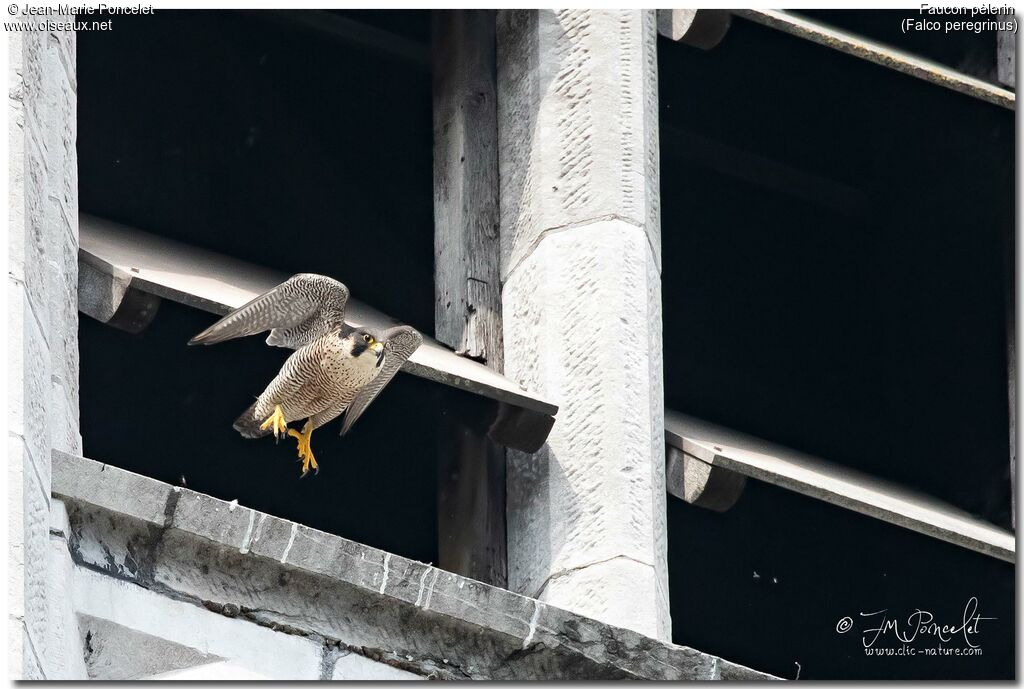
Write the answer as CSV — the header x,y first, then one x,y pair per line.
x,y
335,369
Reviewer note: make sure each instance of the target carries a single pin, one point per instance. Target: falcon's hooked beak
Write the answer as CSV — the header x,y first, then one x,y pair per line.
x,y
378,349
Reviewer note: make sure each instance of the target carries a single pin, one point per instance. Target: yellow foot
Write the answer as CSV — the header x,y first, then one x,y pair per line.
x,y
276,422
305,451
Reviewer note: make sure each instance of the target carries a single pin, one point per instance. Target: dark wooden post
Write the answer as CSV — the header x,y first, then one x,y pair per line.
x,y
1006,57
467,313
1011,369
467,310
1010,290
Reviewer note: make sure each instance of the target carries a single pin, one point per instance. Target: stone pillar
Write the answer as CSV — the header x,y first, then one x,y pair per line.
x,y
43,326
581,297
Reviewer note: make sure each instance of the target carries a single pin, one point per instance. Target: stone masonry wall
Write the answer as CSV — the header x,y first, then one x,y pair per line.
x,y
43,327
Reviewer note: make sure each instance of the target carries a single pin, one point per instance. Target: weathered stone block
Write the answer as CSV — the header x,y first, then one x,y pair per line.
x,y
36,516
64,655
15,648
31,663
63,420
15,530
597,590
42,329
217,520
137,496
122,546
384,607
29,380
583,326
578,123
318,552
37,185
62,287
581,252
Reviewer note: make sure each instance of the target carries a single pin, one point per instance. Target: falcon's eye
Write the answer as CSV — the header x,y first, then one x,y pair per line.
x,y
366,338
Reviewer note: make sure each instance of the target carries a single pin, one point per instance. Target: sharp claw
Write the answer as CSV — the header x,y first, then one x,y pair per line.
x,y
304,451
276,423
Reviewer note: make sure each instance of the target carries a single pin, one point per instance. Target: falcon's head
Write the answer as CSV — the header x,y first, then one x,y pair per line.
x,y
364,342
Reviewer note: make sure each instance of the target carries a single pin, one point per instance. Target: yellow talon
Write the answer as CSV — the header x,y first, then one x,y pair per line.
x,y
277,422
305,451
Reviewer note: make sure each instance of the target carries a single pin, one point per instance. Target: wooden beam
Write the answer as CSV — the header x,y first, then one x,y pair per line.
x,y
216,283
702,484
354,33
881,54
515,427
106,294
835,484
467,284
700,28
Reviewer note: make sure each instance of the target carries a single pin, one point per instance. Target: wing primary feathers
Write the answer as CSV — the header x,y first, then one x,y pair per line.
x,y
298,310
250,318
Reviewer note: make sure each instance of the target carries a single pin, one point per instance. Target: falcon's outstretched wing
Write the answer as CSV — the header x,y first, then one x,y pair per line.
x,y
400,342
300,309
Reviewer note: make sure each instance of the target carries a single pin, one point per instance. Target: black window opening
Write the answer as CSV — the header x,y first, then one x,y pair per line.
x,y
835,238
273,138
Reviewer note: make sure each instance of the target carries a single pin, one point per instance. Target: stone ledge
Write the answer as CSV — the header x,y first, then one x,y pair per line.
x,y
289,577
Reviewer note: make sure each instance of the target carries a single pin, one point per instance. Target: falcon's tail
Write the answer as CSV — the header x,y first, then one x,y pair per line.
x,y
248,425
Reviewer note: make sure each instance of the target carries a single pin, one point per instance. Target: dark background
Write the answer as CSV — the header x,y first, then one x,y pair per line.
x,y
834,262
835,249
249,134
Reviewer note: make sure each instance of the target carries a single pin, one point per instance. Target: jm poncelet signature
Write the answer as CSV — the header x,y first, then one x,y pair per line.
x,y
919,624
